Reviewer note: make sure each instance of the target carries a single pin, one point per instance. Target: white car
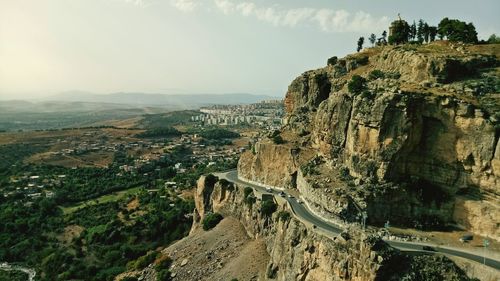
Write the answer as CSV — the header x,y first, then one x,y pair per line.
x,y
299,201
268,189
290,196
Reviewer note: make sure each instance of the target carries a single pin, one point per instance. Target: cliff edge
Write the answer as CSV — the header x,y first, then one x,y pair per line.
x,y
403,133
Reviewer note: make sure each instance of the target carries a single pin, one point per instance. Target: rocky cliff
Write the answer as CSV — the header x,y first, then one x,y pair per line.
x,y
416,142
298,252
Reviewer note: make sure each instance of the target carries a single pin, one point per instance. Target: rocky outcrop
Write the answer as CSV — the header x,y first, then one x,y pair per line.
x,y
421,141
297,252
274,165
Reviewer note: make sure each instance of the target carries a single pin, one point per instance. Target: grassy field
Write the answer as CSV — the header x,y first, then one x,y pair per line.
x,y
103,199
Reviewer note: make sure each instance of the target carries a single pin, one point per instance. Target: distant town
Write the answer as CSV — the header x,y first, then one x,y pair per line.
x,y
266,115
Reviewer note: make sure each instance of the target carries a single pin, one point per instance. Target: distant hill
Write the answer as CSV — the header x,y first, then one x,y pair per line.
x,y
178,101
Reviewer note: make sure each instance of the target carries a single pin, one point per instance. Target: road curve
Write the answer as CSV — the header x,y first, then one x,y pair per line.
x,y
11,267
301,211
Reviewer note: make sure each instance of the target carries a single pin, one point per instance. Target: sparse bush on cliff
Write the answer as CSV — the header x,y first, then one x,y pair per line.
x,y
248,196
162,270
247,191
278,139
144,261
211,220
376,74
268,208
357,84
284,216
332,61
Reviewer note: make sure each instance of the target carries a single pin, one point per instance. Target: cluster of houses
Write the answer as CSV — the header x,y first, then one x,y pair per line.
x,y
34,186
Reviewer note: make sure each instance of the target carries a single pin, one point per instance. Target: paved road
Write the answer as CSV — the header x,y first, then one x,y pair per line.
x,y
10,267
304,213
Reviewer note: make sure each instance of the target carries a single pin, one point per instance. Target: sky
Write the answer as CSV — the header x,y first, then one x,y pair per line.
x,y
194,46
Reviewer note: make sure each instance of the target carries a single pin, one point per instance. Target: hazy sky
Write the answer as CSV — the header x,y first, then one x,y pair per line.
x,y
215,46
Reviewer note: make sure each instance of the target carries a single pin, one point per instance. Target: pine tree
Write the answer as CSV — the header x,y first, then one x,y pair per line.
x,y
432,33
361,41
372,39
426,33
413,31
384,37
420,31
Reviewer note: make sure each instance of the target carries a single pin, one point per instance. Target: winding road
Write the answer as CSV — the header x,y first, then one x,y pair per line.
x,y
304,214
11,267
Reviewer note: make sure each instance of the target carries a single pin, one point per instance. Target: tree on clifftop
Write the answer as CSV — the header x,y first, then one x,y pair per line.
x,y
372,39
457,31
361,41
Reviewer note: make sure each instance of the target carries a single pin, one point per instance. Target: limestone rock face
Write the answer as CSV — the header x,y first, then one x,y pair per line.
x,y
266,165
429,128
297,252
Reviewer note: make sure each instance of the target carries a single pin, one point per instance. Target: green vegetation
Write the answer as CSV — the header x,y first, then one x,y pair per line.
x,y
400,32
164,132
248,196
278,139
494,39
451,29
372,39
332,61
13,276
217,134
14,154
357,84
102,199
129,278
267,208
162,269
284,216
143,261
106,244
376,74
211,220
361,41
457,31
167,119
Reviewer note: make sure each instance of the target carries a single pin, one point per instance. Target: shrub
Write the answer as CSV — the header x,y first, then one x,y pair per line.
x,y
247,191
248,197
332,61
268,208
250,200
376,74
211,220
145,260
130,278
357,84
163,275
278,139
162,272
283,215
